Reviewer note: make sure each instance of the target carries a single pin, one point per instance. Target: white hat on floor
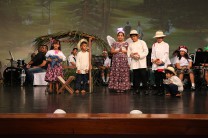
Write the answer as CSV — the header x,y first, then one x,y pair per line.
x,y
136,112
59,111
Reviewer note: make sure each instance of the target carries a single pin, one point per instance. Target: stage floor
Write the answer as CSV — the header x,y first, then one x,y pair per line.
x,y
35,100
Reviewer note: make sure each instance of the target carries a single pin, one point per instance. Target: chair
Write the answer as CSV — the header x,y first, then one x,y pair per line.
x,y
65,84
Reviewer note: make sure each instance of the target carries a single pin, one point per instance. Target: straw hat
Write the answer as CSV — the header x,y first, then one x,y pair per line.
x,y
159,34
171,69
133,32
79,43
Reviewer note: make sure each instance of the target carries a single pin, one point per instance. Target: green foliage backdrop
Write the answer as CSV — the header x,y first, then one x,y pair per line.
x,y
22,21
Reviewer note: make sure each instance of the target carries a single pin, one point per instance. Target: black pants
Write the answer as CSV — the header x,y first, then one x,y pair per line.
x,y
81,81
139,75
159,76
171,88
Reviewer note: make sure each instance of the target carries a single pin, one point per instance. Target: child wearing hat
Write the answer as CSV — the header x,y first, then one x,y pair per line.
x,y
82,64
173,85
160,60
184,65
138,52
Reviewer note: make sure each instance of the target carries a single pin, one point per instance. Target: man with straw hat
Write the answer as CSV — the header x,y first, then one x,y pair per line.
x,y
173,85
160,60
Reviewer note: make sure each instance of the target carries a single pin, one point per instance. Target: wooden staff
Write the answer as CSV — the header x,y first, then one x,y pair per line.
x,y
90,68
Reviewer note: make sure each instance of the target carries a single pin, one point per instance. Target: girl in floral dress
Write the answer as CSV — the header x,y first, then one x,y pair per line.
x,y
54,57
119,74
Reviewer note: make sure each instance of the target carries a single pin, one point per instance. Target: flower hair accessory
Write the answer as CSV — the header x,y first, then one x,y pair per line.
x,y
120,30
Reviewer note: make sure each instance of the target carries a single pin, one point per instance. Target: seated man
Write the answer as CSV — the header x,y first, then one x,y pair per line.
x,y
36,65
105,68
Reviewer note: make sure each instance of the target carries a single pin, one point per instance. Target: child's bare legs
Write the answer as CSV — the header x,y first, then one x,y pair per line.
x,y
57,87
50,87
191,75
181,76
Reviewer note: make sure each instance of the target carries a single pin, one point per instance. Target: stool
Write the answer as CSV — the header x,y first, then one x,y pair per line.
x,y
65,84
39,78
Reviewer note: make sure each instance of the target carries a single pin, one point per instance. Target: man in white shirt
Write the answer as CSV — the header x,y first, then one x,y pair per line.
x,y
72,57
138,52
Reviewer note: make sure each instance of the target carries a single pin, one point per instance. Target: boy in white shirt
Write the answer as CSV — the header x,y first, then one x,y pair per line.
x,y
160,60
138,52
82,64
173,85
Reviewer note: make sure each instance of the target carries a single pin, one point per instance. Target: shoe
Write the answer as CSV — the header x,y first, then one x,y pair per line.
x,y
193,88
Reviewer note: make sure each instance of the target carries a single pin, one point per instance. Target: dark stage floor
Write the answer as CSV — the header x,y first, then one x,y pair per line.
x,y
35,100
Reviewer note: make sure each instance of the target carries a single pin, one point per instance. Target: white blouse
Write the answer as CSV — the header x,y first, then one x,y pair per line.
x,y
183,61
53,53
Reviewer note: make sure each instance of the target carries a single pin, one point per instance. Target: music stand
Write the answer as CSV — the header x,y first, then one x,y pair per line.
x,y
201,58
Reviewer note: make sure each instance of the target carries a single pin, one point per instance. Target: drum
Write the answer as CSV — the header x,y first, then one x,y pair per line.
x,y
12,76
20,63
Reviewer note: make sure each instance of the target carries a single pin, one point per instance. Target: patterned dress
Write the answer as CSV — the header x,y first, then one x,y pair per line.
x,y
53,71
119,74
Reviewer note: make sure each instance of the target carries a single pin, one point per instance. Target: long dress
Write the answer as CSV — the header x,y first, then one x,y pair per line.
x,y
119,74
